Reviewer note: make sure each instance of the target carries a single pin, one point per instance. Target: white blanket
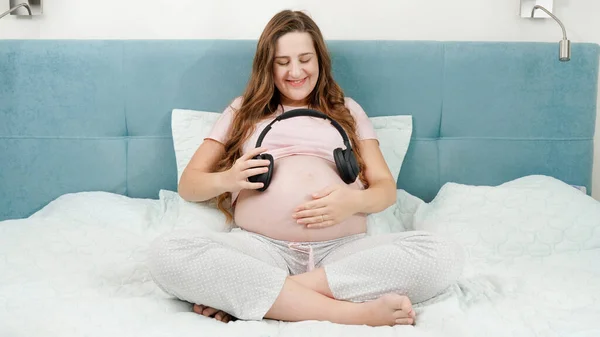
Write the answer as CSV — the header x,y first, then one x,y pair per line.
x,y
77,267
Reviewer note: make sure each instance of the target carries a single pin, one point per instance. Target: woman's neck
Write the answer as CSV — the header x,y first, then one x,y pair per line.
x,y
292,103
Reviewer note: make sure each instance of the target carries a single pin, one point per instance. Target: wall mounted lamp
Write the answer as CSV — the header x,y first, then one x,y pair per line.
x,y
26,5
564,51
30,8
529,10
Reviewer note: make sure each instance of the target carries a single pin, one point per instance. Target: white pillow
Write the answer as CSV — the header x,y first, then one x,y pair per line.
x,y
178,213
533,216
190,127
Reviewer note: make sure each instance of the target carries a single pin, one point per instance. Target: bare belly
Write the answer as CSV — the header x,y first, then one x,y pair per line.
x,y
294,180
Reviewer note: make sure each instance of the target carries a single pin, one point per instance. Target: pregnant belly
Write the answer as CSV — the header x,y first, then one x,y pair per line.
x,y
295,179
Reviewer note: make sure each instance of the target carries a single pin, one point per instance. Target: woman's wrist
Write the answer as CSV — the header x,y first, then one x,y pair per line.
x,y
374,199
358,201
225,181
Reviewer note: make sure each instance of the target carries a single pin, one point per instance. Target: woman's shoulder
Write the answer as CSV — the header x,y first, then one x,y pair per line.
x,y
232,108
355,109
349,100
365,128
235,104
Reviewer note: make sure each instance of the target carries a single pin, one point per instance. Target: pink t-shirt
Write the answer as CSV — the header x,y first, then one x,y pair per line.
x,y
301,135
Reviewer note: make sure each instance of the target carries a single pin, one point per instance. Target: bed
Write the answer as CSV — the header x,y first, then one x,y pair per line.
x,y
498,157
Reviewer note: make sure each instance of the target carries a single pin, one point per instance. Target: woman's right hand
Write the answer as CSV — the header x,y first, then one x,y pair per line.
x,y
236,177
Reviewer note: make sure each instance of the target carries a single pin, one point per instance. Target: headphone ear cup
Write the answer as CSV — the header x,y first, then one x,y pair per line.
x,y
264,178
338,157
344,164
352,163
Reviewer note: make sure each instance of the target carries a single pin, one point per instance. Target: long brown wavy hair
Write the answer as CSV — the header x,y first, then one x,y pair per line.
x,y
262,98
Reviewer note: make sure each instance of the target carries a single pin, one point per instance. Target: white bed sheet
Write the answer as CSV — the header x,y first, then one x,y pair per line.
x,y
77,268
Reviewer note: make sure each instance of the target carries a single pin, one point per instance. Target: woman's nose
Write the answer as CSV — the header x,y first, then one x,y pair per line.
x,y
296,70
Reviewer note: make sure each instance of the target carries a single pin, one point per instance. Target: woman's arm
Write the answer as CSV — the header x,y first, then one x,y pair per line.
x,y
198,181
381,192
336,203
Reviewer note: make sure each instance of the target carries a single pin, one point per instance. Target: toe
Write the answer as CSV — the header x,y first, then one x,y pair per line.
x,y
406,306
404,321
402,303
209,311
400,314
198,309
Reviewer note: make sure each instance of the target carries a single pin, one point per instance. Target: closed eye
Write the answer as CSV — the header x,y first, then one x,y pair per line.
x,y
285,59
286,63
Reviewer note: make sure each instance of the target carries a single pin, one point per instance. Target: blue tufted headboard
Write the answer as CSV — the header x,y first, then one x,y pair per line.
x,y
93,115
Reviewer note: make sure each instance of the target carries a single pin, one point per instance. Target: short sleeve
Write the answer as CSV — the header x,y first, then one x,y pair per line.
x,y
221,127
364,127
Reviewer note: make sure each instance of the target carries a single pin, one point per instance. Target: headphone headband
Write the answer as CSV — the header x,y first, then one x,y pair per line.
x,y
303,112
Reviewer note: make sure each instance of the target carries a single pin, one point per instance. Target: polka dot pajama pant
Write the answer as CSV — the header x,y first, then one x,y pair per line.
x,y
242,272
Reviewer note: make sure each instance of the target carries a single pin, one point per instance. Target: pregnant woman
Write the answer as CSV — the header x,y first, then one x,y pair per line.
x,y
301,251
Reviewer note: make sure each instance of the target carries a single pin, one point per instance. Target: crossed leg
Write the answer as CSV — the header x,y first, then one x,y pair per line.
x,y
387,272
416,264
237,276
384,272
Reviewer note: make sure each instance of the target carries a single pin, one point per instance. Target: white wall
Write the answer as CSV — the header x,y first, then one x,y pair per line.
x,y
477,20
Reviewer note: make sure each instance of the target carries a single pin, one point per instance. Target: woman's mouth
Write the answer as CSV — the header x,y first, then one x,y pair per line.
x,y
297,83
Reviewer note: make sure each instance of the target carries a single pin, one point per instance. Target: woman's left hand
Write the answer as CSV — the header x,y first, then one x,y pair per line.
x,y
329,207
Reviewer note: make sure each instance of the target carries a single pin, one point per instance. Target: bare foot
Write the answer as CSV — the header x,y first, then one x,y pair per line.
x,y
212,312
389,309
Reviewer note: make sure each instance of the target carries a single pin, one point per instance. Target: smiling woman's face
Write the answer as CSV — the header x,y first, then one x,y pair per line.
x,y
296,68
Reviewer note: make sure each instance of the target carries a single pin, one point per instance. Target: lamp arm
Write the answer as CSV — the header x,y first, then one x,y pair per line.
x,y
553,16
26,5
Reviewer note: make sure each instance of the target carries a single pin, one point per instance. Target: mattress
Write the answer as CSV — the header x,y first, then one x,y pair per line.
x,y
78,267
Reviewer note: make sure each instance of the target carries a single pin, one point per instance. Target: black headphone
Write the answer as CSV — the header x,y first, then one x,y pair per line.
x,y
345,161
